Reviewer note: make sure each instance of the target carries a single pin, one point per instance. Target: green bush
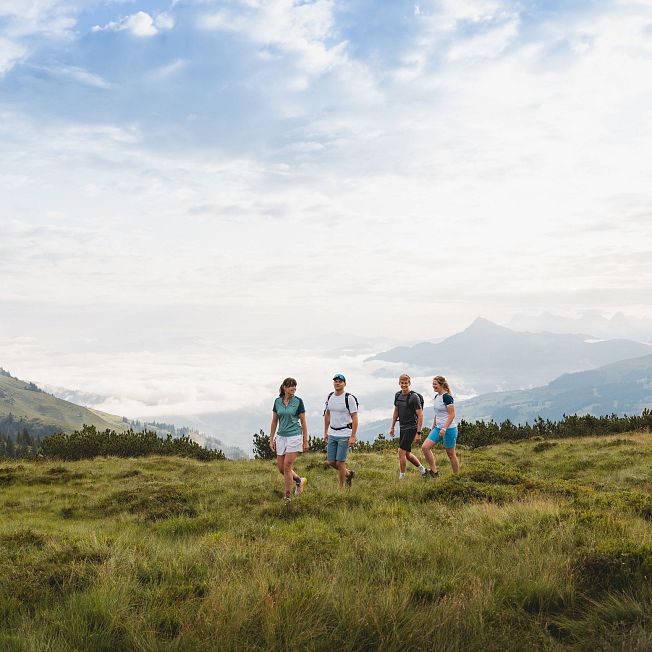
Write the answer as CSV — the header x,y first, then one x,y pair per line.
x,y
88,443
613,566
151,502
480,433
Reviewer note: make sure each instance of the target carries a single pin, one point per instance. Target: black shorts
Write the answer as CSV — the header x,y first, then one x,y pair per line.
x,y
407,438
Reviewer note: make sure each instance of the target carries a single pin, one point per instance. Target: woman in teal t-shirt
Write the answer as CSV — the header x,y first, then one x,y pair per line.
x,y
289,415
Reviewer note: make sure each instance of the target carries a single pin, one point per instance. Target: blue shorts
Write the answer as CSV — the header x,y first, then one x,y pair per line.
x,y
450,436
337,448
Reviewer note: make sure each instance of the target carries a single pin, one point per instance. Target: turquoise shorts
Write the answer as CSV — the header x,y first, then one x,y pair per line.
x,y
450,436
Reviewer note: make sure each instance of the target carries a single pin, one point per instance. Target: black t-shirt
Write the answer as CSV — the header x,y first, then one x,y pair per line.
x,y
407,405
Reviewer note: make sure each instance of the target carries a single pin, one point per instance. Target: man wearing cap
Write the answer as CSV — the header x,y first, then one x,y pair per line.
x,y
340,426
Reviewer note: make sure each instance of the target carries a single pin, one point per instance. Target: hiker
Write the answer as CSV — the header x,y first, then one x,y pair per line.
x,y
444,427
340,426
289,414
408,410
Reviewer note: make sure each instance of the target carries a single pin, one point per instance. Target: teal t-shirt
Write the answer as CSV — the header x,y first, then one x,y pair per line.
x,y
288,416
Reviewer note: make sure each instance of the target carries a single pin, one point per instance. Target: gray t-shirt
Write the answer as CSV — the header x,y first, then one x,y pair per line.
x,y
407,405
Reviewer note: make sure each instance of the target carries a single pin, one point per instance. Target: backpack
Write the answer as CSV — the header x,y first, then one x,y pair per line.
x,y
420,396
346,401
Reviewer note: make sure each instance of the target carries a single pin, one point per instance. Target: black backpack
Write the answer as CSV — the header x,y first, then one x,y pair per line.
x,y
346,401
421,400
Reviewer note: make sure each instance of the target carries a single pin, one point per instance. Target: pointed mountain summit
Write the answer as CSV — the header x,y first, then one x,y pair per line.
x,y
488,356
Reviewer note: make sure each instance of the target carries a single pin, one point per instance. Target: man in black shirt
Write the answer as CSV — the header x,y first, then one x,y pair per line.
x,y
409,412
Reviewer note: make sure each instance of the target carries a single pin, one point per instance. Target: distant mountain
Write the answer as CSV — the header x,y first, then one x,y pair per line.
x,y
489,357
619,325
619,388
44,413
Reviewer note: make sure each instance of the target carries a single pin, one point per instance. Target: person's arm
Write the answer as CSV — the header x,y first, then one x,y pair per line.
x,y
354,428
327,423
304,427
394,418
419,423
272,431
451,416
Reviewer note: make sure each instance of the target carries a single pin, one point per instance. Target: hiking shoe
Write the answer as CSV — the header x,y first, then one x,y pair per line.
x,y
300,486
349,477
432,474
287,499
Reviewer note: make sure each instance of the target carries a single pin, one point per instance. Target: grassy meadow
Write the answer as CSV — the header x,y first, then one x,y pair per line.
x,y
536,545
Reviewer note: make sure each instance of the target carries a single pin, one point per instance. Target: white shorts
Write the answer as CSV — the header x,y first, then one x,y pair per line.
x,y
292,444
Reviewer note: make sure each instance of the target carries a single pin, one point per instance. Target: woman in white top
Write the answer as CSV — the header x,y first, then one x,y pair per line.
x,y
444,426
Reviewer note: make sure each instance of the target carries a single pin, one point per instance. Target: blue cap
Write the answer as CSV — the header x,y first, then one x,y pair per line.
x,y
339,377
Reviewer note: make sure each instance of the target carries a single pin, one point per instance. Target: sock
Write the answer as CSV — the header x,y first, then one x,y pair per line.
x,y
422,469
401,476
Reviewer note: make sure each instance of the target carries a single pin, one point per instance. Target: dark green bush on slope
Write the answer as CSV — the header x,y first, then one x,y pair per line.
x,y
481,433
89,442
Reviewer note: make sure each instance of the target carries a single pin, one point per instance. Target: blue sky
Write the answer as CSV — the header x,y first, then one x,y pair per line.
x,y
258,173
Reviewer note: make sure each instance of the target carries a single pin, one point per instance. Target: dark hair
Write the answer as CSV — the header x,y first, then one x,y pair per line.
x,y
288,382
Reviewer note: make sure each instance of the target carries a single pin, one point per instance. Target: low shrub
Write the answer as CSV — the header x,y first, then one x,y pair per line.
x,y
495,473
544,446
23,538
89,443
462,489
151,502
613,565
620,442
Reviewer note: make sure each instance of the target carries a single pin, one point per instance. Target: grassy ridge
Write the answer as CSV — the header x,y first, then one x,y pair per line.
x,y
41,409
537,545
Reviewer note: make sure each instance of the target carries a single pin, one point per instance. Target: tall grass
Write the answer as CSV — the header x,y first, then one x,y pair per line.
x,y
530,548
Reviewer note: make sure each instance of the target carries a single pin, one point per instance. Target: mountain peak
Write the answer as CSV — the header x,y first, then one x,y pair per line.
x,y
482,325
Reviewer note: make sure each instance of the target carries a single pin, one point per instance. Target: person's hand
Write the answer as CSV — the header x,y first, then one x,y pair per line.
x,y
352,440
326,437
418,437
391,433
272,444
305,445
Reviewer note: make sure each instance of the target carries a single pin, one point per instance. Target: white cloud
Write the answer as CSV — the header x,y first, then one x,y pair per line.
x,y
302,30
22,20
78,74
140,24
170,69
10,54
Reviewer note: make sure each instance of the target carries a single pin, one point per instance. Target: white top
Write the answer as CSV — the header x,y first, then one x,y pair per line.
x,y
442,401
340,416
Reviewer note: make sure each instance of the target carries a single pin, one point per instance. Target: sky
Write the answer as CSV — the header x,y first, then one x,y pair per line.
x,y
199,198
